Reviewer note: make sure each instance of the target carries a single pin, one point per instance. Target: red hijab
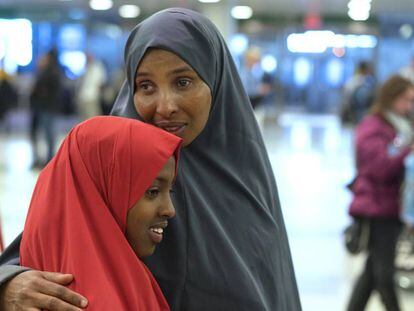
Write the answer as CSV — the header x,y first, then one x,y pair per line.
x,y
77,217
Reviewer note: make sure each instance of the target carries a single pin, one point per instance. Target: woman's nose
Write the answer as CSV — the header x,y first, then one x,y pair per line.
x,y
167,105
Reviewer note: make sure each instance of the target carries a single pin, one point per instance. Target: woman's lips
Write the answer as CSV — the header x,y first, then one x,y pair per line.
x,y
176,128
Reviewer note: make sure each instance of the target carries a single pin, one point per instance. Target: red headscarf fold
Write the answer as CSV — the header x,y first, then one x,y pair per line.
x,y
77,217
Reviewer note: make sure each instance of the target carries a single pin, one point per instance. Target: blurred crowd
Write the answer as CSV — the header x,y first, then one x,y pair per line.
x,y
51,95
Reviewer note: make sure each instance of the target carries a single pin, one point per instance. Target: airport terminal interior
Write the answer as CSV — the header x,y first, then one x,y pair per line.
x,y
300,53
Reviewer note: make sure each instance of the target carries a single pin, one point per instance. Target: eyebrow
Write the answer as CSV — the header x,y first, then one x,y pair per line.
x,y
173,72
161,179
182,69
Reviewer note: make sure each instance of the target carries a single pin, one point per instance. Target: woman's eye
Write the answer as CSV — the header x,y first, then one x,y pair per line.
x,y
146,86
152,193
183,82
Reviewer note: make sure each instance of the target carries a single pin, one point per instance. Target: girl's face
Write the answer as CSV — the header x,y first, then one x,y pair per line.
x,y
403,105
171,95
148,218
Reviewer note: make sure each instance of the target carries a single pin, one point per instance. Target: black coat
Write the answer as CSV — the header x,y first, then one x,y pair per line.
x,y
48,88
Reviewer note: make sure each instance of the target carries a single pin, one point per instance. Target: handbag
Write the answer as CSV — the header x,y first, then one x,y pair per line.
x,y
357,236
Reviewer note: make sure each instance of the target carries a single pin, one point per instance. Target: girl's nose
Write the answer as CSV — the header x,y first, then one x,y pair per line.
x,y
167,210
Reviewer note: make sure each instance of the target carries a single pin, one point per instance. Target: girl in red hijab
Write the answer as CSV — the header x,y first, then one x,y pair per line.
x,y
102,202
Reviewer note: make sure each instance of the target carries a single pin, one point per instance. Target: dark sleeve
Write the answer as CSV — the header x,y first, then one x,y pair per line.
x,y
9,261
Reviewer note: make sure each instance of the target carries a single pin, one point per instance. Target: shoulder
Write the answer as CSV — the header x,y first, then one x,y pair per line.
x,y
374,124
372,120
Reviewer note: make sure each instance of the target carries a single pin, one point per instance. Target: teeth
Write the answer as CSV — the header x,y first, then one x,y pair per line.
x,y
172,129
158,230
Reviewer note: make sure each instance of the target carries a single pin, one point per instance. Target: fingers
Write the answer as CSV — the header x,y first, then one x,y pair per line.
x,y
60,278
54,289
54,304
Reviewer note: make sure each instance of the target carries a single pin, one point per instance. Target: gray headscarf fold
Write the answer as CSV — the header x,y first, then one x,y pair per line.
x,y
227,247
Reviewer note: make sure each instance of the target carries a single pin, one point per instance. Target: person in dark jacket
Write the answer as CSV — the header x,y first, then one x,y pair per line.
x,y
8,94
383,140
45,101
359,92
227,248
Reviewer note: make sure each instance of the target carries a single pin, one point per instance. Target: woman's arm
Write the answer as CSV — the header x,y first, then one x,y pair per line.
x,y
10,256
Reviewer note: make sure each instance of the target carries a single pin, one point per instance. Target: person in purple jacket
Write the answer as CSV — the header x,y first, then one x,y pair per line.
x,y
384,138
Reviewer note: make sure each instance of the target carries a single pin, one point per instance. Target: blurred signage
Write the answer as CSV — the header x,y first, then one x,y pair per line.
x,y
318,41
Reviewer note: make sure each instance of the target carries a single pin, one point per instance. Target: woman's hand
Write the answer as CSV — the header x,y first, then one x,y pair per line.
x,y
38,290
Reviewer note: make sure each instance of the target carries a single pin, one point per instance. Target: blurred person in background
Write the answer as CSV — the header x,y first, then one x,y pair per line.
x,y
358,94
384,138
110,91
8,94
252,76
256,82
45,104
227,247
89,88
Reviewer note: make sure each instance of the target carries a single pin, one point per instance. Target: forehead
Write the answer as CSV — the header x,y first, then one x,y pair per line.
x,y
168,171
161,60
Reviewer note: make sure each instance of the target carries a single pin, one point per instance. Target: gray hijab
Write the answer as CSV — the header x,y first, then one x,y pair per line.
x,y
227,247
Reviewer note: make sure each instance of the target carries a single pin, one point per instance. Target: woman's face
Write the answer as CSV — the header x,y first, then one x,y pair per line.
x,y
404,104
148,218
171,95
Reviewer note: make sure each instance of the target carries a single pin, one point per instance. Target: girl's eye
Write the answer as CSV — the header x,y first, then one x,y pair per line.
x,y
152,193
183,82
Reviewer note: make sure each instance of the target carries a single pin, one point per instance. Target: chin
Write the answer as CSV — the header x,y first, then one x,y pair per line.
x,y
145,253
188,140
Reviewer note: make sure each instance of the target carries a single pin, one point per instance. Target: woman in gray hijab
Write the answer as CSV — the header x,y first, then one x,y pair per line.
x,y
227,248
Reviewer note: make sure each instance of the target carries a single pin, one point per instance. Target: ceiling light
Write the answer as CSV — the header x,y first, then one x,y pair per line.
x,y
406,31
129,11
241,12
358,15
238,44
358,10
209,1
100,5
269,63
359,5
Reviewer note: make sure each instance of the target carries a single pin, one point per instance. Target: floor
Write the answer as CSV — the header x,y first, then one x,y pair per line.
x,y
312,161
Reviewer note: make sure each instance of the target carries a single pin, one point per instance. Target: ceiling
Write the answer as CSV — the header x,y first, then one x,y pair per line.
x,y
260,7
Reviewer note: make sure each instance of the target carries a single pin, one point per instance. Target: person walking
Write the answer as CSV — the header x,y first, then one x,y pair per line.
x,y
45,100
384,139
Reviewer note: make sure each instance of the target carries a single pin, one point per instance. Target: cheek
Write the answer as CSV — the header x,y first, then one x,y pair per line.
x,y
144,108
199,108
138,217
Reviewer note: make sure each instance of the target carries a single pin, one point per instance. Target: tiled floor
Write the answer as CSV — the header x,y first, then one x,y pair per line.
x,y
312,160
